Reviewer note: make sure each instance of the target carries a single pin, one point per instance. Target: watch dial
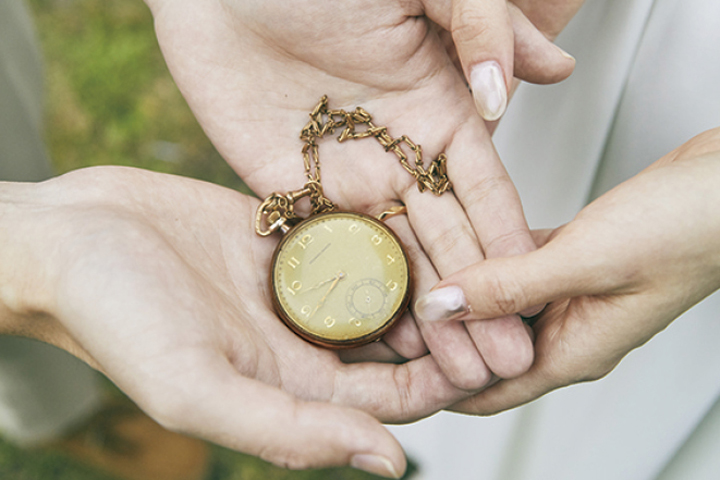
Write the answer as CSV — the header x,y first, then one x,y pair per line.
x,y
340,278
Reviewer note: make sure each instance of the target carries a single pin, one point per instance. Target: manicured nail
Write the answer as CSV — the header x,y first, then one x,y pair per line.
x,y
488,87
374,464
442,304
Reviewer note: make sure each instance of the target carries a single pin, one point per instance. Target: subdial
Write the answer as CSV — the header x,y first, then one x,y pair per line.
x,y
366,298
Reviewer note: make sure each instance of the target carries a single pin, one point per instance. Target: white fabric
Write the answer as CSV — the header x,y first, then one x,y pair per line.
x,y
22,152
647,80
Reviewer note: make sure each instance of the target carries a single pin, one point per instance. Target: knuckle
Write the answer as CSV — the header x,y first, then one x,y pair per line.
x,y
469,24
513,242
597,370
704,143
567,365
402,378
485,188
281,449
503,296
448,241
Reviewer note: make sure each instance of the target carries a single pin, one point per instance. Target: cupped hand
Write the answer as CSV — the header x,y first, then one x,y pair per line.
x,y
628,265
253,70
161,283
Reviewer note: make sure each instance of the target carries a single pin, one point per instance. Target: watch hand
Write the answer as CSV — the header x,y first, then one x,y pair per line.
x,y
335,281
324,282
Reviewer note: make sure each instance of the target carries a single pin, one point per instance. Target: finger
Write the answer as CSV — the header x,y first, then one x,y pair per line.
x,y
483,36
503,343
373,352
442,227
251,417
549,17
443,230
396,393
508,394
544,235
486,192
405,338
537,59
504,286
489,196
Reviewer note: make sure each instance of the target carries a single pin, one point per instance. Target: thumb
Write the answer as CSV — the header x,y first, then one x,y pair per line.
x,y
497,287
537,59
255,418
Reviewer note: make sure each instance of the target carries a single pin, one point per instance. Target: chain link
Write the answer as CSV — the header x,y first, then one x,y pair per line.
x,y
324,121
277,209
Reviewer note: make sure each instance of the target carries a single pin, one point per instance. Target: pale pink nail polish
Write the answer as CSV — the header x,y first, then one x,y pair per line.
x,y
441,305
489,90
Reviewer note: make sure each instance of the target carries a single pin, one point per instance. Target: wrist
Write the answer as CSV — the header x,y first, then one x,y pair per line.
x,y
24,292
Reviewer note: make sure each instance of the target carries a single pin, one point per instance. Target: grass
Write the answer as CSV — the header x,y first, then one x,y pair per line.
x,y
111,100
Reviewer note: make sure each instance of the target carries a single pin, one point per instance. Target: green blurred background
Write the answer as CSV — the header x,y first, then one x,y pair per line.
x,y
111,100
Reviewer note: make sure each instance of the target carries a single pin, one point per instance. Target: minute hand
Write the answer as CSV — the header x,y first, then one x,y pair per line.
x,y
339,277
324,282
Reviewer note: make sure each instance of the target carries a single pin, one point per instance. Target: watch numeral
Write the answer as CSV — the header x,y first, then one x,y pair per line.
x,y
305,241
354,228
306,310
376,240
392,286
295,287
329,321
294,262
328,228
390,259
355,321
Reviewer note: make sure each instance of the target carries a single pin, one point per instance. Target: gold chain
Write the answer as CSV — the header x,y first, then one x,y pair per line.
x,y
277,208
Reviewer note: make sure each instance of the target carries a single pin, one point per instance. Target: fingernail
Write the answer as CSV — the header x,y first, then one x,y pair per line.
x,y
564,53
488,87
374,464
442,304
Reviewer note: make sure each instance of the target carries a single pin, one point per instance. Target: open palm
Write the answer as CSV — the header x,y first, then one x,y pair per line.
x,y
143,276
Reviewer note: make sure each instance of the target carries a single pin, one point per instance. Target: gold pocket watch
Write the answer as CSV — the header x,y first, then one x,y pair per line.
x,y
341,279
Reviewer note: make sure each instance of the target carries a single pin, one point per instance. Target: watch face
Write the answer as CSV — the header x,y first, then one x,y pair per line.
x,y
340,279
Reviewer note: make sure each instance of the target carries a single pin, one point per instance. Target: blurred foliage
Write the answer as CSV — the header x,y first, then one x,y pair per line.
x,y
19,464
46,464
110,97
111,100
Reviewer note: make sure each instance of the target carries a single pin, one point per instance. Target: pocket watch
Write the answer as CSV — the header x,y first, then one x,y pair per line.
x,y
341,279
